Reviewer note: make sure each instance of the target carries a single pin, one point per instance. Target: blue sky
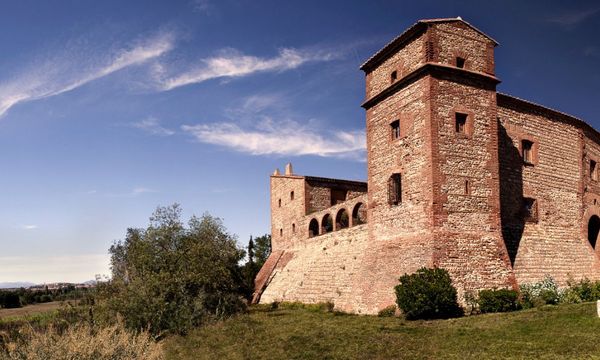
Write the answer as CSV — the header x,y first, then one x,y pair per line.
x,y
111,108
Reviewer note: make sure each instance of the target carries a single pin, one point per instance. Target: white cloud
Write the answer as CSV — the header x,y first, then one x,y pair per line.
x,y
571,18
152,126
283,138
233,64
142,190
29,227
76,68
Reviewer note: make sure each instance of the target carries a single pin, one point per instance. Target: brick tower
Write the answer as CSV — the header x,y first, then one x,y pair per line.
x,y
432,139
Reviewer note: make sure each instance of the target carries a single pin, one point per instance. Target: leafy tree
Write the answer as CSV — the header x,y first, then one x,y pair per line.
x,y
261,249
170,277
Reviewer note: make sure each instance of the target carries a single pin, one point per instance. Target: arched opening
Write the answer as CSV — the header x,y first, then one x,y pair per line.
x,y
326,224
593,230
341,219
359,214
313,228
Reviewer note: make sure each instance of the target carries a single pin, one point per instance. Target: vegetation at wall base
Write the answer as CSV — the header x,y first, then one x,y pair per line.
x,y
427,294
498,300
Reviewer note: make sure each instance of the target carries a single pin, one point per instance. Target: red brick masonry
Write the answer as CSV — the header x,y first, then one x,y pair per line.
x,y
497,190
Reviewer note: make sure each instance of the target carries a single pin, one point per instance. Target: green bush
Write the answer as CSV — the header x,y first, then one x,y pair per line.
x,y
582,291
387,311
427,294
545,292
500,300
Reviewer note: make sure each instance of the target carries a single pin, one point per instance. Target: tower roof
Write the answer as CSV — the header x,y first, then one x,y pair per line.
x,y
416,28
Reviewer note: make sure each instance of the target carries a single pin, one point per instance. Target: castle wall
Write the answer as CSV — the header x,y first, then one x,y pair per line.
x,y
554,244
458,40
468,241
403,62
287,216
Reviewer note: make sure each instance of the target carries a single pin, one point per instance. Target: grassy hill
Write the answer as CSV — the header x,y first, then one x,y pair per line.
x,y
550,332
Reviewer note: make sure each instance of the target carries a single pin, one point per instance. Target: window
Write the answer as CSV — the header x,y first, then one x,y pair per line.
x,y
527,152
395,126
467,187
292,195
395,189
461,123
460,62
394,76
293,228
530,211
593,171
279,202
280,232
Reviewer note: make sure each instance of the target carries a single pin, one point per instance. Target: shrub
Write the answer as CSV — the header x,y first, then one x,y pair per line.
x,y
500,300
584,290
12,300
83,342
387,311
541,293
427,294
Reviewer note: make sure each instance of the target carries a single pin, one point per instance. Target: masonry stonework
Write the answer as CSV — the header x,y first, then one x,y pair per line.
x,y
497,190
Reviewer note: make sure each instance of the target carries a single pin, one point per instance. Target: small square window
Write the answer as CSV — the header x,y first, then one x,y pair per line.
x,y
461,123
460,62
527,152
593,170
394,76
395,126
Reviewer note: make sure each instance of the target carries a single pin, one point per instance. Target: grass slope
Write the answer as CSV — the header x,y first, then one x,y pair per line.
x,y
551,332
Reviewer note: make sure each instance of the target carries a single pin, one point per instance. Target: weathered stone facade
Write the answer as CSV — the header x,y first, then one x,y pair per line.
x,y
497,190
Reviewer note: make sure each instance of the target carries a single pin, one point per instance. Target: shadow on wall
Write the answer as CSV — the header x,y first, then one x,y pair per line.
x,y
512,218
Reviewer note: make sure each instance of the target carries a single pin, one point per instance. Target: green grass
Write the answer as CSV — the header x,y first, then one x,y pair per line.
x,y
550,332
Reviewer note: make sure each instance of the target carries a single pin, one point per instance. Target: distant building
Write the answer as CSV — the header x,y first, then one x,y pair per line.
x,y
497,190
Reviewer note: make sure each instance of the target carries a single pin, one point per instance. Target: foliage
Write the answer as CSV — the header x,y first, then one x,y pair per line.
x,y
499,300
545,292
10,300
581,291
170,278
258,251
387,311
427,294
82,342
23,297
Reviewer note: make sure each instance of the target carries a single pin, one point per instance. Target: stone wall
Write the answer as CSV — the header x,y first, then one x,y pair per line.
x,y
554,244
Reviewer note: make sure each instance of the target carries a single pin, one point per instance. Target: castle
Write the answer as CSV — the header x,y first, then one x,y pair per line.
x,y
497,190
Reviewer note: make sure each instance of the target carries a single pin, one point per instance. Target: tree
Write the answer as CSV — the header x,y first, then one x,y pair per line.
x,y
262,249
170,277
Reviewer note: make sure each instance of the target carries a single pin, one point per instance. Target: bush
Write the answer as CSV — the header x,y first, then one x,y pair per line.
x,y
387,311
427,294
11,300
582,291
541,293
501,300
82,342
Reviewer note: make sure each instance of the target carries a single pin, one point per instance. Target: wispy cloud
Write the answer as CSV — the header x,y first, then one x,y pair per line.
x,y
281,138
231,63
72,69
572,18
201,6
152,126
29,227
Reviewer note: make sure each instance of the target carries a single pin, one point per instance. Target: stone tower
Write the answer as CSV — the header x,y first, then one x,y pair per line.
x,y
432,139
